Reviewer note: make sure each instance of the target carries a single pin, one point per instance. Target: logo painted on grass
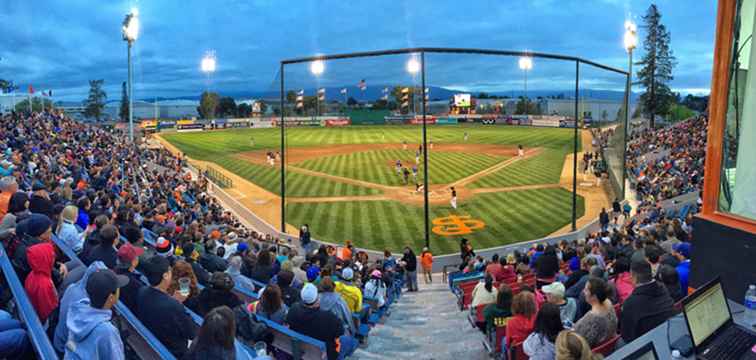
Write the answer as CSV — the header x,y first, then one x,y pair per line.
x,y
456,225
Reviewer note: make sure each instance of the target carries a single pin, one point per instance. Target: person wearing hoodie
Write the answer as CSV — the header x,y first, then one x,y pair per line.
x,y
648,306
33,230
351,294
307,318
73,294
331,301
39,283
409,260
234,270
91,335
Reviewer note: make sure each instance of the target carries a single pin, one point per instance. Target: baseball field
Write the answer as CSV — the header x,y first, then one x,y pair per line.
x,y
344,181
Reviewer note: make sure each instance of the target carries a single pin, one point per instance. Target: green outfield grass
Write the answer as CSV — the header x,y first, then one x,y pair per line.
x,y
510,217
544,168
378,165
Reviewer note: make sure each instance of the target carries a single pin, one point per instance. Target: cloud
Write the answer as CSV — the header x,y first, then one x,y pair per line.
x,y
62,45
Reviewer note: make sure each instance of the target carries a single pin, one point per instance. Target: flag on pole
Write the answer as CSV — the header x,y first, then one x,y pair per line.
x,y
344,91
300,99
362,85
31,89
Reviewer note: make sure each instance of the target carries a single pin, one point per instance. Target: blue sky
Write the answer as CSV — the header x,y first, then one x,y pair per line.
x,y
59,45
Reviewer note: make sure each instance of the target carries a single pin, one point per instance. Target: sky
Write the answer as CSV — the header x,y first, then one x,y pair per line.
x,y
61,45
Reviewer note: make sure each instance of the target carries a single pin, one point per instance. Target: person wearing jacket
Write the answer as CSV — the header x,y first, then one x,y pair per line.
x,y
623,281
39,283
18,210
648,306
91,334
67,231
217,293
351,294
409,260
331,301
73,294
234,270
375,288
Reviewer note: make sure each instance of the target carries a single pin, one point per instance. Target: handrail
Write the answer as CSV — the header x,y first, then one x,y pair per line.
x,y
28,315
124,312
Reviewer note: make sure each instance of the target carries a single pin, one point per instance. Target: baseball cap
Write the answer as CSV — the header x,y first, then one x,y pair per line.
x,y
154,268
309,294
555,288
101,284
313,272
38,224
347,274
163,247
242,247
127,253
376,274
683,249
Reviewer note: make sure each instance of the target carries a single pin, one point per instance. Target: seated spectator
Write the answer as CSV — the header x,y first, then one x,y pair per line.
x,y
521,323
39,202
33,230
128,260
210,261
351,294
234,270
39,284
8,187
163,313
17,212
331,301
14,343
623,281
498,314
299,274
190,256
217,293
67,232
94,237
536,254
263,270
375,288
73,294
576,281
554,293
571,346
600,323
484,293
494,268
82,219
105,251
307,318
271,306
547,267
653,255
508,266
648,306
681,251
91,333
182,269
668,276
289,293
540,343
215,339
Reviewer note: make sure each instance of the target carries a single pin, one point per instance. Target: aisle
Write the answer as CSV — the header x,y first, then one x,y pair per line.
x,y
425,325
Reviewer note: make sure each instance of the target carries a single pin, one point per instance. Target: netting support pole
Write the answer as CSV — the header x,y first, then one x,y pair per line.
x,y
575,147
425,152
283,157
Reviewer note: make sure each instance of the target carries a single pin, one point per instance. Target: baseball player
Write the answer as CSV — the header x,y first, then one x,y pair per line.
x,y
252,141
417,156
414,172
453,198
430,144
520,151
467,136
406,173
404,144
398,167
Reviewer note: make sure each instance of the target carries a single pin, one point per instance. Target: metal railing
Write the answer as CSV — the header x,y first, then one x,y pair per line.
x,y
218,178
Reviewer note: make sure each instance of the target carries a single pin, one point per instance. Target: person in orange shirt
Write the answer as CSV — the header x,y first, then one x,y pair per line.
x,y
8,187
346,251
426,261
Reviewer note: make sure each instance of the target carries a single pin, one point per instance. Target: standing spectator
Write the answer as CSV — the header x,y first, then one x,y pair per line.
x,y
67,231
648,306
466,252
73,294
331,301
304,238
163,313
39,284
616,209
426,261
497,314
600,323
215,339
567,306
571,346
307,318
484,293
521,323
351,294
105,251
128,260
91,333
409,260
8,187
271,306
681,251
604,219
540,343
217,293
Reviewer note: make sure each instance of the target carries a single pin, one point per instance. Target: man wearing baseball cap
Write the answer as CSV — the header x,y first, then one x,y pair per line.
x,y
682,252
128,260
91,334
567,307
351,294
307,318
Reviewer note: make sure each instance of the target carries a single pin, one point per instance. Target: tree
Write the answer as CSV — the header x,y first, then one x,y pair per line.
x,y
657,64
678,112
243,110
351,102
226,107
94,104
7,86
291,96
38,104
208,105
124,113
532,108
263,106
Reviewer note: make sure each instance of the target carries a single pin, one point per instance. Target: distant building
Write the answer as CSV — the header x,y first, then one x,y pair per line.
x,y
8,101
595,109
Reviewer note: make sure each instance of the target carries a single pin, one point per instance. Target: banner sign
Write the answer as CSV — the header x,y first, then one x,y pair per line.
x,y
189,127
446,121
149,124
166,124
337,122
396,119
430,120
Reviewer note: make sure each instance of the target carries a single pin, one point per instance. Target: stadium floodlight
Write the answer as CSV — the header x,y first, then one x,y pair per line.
x,y
317,67
208,63
413,66
526,64
631,36
130,32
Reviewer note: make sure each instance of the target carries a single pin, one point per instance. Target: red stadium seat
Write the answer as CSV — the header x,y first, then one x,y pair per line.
x,y
499,336
607,347
517,353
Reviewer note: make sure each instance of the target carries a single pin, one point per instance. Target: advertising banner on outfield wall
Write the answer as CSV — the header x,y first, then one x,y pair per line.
x,y
166,124
430,120
337,122
190,127
396,119
262,123
545,121
446,121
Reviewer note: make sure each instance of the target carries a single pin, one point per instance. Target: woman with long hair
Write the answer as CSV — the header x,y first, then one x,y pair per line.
x,y
570,345
182,269
521,323
215,339
484,293
540,343
271,304
600,323
497,314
